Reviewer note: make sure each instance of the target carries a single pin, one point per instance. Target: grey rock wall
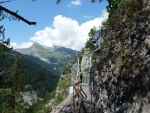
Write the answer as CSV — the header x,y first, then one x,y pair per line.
x,y
122,68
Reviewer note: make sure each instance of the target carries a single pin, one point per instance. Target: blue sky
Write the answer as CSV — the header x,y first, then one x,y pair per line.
x,y
44,13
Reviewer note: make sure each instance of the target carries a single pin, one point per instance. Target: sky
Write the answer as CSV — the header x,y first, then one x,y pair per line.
x,y
66,24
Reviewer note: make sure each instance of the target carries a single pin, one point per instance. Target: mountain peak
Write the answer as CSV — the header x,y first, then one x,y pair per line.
x,y
37,45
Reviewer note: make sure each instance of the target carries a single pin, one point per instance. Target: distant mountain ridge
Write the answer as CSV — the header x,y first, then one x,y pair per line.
x,y
56,57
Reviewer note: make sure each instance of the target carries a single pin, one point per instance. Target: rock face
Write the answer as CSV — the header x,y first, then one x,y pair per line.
x,y
119,74
122,75
85,66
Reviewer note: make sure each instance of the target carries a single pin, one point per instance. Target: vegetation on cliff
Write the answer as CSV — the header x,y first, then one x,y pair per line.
x,y
122,81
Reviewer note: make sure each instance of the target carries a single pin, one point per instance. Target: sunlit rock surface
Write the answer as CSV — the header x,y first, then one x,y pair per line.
x,y
30,97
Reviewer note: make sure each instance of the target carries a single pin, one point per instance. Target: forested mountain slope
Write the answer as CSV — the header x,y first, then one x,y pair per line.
x,y
57,57
26,79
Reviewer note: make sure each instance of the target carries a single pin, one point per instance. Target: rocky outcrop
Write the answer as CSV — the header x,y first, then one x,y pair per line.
x,y
122,76
85,66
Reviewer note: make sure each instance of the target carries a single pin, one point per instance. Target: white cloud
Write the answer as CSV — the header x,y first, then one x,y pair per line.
x,y
76,2
65,32
88,17
21,45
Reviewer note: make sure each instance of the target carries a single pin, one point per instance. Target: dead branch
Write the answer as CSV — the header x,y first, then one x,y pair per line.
x,y
6,1
17,16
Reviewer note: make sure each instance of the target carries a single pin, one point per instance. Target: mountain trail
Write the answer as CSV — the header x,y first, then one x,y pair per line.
x,y
59,108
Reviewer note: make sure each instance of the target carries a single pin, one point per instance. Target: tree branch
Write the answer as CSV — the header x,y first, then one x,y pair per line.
x,y
17,16
6,1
